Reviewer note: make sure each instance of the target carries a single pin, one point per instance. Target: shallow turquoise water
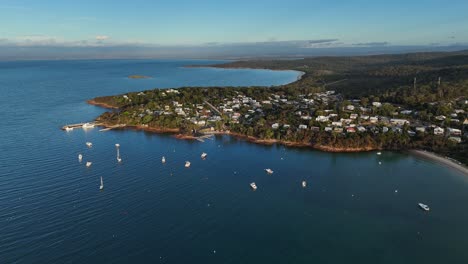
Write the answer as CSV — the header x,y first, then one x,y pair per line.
x,y
51,209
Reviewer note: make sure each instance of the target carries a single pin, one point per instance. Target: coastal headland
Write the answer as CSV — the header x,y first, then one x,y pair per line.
x,y
339,104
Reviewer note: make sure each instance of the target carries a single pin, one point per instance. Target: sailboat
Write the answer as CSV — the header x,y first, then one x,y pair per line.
x,y
89,144
203,155
80,157
102,184
269,171
88,164
187,164
304,184
163,160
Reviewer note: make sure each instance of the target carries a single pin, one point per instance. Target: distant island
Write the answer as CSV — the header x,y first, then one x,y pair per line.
x,y
341,104
138,77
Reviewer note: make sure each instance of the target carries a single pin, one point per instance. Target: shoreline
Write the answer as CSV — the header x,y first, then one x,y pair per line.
x,y
300,74
103,105
450,163
268,142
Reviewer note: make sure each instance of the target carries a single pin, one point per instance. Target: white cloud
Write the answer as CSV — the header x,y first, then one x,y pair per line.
x,y
102,37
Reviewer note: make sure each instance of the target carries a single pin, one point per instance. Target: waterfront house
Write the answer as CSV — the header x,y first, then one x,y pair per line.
x,y
438,131
454,132
322,119
337,123
400,122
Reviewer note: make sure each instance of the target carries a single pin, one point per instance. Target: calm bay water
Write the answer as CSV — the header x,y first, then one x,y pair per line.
x,y
51,209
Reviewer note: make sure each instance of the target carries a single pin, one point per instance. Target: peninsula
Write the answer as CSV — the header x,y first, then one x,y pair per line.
x,y
341,104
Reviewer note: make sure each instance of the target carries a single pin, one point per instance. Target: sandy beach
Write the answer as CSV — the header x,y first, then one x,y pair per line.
x,y
441,160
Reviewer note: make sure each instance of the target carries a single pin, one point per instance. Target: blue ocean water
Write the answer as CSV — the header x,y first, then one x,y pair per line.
x,y
353,210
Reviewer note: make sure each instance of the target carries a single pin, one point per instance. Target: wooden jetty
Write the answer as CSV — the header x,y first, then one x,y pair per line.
x,y
79,125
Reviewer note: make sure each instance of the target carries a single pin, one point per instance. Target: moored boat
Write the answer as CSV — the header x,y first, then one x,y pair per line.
x,y
187,164
89,144
80,157
253,186
88,164
424,206
203,155
304,184
87,125
269,171
68,129
163,160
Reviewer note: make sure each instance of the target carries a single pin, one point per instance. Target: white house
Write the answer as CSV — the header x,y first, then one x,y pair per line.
x,y
438,131
399,122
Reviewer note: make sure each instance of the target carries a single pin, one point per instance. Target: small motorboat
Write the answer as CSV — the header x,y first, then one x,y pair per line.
x,y
253,185
379,153
89,144
163,160
187,164
424,207
269,171
117,145
88,164
119,159
80,157
102,185
87,125
203,155
304,184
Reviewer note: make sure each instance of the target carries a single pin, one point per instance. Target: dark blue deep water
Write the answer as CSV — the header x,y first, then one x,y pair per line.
x,y
51,209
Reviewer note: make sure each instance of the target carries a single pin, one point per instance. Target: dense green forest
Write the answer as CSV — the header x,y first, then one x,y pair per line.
x,y
359,76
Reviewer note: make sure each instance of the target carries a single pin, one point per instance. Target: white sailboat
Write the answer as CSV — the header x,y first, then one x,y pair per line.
x,y
269,171
187,164
80,157
203,155
304,184
89,144
117,146
163,160
88,164
102,184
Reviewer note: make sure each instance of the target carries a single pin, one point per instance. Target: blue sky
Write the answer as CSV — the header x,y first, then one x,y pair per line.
x,y
198,22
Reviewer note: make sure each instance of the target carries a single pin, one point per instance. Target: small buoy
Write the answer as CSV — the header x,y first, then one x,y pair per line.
x,y
214,251
396,191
